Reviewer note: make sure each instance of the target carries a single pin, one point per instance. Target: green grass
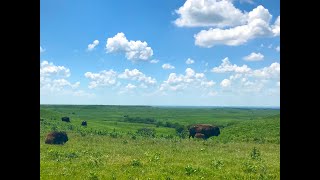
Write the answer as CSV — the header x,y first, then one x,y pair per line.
x,y
247,148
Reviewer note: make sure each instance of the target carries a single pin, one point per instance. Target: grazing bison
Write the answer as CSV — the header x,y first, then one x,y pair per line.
x,y
84,123
203,130
65,119
56,138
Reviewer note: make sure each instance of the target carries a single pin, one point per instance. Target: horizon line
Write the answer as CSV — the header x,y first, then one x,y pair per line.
x,y
166,105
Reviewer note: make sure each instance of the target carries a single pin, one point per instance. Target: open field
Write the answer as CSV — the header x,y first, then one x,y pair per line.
x,y
110,147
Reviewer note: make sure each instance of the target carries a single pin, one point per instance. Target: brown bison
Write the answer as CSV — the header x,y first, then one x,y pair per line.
x,y
56,138
65,119
84,123
199,135
203,131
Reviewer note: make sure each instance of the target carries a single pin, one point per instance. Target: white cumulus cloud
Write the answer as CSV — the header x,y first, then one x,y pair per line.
x,y
276,27
93,45
254,57
42,50
130,86
226,66
251,80
154,61
111,78
190,79
273,71
134,50
278,48
101,79
167,66
225,83
53,81
257,25
48,69
203,13
189,61
135,74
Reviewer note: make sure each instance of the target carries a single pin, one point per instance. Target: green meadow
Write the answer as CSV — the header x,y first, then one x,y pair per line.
x,y
114,146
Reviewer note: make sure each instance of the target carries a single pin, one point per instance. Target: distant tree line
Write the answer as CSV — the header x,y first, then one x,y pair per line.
x,y
180,129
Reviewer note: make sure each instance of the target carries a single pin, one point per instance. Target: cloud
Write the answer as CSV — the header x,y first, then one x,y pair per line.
x,y
55,85
81,93
207,83
135,74
130,86
189,61
276,27
247,1
42,50
190,79
254,57
101,79
53,81
63,82
251,80
48,69
278,48
273,71
154,61
93,45
226,66
212,93
128,89
110,78
257,25
134,50
225,83
203,13
278,83
167,66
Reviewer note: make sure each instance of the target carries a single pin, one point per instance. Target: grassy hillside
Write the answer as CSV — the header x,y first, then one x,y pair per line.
x,y
110,148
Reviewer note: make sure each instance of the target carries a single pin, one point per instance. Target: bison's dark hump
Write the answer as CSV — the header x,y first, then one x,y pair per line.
x,y
56,138
203,125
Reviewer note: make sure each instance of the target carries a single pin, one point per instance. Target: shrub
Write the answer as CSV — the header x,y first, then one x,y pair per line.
x,y
255,154
146,132
184,134
114,134
190,170
135,162
250,167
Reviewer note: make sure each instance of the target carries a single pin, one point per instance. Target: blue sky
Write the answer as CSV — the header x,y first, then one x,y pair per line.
x,y
194,52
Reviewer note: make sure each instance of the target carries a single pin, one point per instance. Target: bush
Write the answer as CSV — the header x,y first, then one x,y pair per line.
x,y
190,170
255,154
250,167
146,132
135,162
184,134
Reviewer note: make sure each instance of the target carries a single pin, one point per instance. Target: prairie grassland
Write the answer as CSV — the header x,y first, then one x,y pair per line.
x,y
110,148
